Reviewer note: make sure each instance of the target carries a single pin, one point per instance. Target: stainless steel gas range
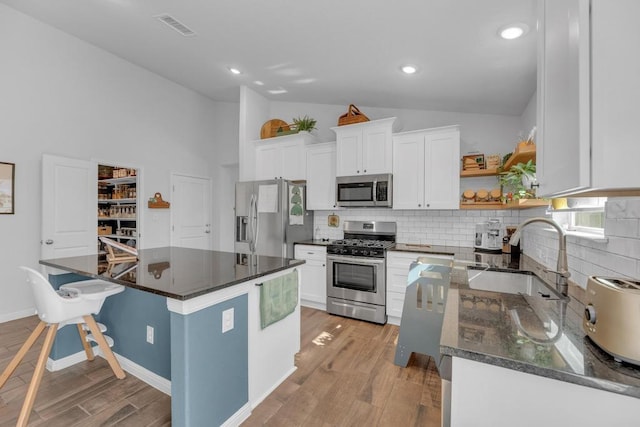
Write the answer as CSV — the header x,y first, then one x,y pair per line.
x,y
356,270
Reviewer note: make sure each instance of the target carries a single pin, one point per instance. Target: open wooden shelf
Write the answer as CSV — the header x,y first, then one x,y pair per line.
x,y
514,204
527,203
522,156
482,205
478,172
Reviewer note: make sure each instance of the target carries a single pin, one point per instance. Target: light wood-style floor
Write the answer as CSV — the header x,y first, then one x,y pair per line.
x,y
345,377
86,394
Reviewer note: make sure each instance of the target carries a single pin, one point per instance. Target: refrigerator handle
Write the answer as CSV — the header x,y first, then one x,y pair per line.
x,y
251,248
257,225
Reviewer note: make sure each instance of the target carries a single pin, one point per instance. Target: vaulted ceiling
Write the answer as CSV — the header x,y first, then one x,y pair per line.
x,y
320,51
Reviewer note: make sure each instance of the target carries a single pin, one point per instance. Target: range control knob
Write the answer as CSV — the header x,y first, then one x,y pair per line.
x,y
590,314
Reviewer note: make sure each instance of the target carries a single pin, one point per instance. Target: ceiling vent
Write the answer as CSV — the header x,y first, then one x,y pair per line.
x,y
175,24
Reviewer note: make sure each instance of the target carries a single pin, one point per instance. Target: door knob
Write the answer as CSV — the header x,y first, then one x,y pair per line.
x,y
49,242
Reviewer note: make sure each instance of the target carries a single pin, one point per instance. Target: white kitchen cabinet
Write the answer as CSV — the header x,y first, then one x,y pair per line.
x,y
313,289
486,395
588,89
398,265
426,171
282,157
364,148
321,176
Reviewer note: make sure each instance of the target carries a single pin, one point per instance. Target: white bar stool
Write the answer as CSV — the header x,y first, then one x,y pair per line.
x,y
73,304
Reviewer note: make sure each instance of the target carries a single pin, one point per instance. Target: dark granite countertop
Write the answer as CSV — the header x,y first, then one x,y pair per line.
x,y
481,325
315,242
178,273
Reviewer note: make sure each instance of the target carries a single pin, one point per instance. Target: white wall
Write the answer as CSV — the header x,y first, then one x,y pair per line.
x,y
224,170
485,133
529,117
63,96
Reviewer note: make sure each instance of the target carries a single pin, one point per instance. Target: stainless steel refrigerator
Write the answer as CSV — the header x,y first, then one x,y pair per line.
x,y
271,216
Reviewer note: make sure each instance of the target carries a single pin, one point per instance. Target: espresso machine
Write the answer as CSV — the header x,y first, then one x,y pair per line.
x,y
489,236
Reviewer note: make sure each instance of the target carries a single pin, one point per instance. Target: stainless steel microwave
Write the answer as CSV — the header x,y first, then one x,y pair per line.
x,y
365,191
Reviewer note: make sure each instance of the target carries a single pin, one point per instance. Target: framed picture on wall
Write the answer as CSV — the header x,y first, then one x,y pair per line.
x,y
7,188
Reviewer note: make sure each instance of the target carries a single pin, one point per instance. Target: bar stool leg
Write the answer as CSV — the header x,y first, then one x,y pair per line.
x,y
106,351
37,376
85,344
21,353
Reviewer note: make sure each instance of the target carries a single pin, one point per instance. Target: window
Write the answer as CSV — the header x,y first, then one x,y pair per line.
x,y
585,215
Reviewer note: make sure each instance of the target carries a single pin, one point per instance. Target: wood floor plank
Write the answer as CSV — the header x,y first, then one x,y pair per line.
x,y
345,377
158,410
361,414
402,406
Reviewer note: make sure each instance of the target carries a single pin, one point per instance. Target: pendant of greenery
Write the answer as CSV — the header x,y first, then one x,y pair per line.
x,y
511,181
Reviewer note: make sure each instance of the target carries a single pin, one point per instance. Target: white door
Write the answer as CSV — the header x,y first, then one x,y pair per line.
x,y
349,151
69,207
376,149
442,171
321,176
408,171
191,212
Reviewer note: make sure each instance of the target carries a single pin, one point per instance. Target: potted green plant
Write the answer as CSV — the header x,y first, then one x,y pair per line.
x,y
304,124
518,179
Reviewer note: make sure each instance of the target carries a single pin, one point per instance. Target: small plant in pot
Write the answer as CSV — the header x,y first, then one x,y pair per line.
x,y
518,179
304,124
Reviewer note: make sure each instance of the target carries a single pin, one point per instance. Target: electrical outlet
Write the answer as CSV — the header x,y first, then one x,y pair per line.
x,y
150,334
227,320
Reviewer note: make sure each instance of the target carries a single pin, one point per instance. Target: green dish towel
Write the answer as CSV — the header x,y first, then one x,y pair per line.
x,y
278,298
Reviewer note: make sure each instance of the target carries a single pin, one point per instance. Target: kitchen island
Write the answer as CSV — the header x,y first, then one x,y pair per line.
x,y
512,359
189,320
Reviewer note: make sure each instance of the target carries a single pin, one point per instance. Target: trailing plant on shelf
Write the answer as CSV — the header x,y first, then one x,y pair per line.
x,y
305,123
517,180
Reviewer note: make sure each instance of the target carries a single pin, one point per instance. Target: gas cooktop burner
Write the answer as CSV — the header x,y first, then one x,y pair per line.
x,y
363,243
360,248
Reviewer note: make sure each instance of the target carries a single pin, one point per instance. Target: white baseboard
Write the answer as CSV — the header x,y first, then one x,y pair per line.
x,y
392,320
237,418
7,317
65,362
154,380
145,375
313,304
270,390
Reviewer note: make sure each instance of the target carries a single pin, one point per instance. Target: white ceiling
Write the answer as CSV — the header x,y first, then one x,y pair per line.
x,y
321,51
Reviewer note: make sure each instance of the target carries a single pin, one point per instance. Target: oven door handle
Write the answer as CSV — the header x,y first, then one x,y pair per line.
x,y
355,260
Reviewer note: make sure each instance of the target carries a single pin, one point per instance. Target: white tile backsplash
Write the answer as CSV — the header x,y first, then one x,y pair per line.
x,y
617,256
436,227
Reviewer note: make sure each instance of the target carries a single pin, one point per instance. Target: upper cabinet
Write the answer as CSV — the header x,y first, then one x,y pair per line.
x,y
321,176
588,90
364,148
282,157
426,171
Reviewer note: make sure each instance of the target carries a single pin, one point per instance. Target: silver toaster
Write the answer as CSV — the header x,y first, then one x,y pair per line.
x,y
612,316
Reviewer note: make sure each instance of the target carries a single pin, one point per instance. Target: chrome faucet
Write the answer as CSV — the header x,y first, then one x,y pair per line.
x,y
562,268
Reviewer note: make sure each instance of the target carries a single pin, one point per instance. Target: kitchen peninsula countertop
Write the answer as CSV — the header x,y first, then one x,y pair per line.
x,y
480,326
178,273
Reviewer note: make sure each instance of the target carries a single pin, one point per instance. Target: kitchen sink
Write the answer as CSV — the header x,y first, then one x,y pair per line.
x,y
511,282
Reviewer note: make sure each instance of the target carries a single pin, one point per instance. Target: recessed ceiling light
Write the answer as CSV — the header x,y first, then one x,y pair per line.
x,y
258,83
277,91
234,70
513,31
409,69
